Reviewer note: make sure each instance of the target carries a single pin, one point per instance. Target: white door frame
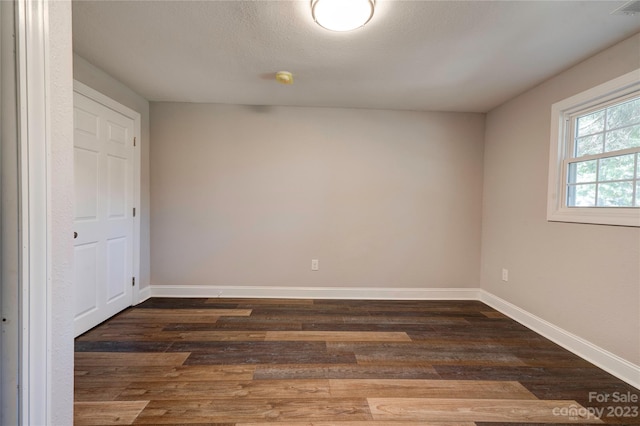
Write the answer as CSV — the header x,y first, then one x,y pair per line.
x,y
35,222
90,93
44,221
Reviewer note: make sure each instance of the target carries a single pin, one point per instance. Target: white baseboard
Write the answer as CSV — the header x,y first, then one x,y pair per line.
x,y
611,363
144,294
318,292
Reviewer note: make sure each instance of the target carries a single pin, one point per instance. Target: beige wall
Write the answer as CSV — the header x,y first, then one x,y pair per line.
x,y
98,80
583,278
249,195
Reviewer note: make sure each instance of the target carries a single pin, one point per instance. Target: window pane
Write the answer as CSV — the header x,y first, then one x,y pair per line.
x,y
638,194
615,194
581,195
589,145
617,168
584,171
590,124
628,137
623,114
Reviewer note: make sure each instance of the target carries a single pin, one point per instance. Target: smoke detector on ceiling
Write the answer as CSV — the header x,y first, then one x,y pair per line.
x,y
629,8
284,77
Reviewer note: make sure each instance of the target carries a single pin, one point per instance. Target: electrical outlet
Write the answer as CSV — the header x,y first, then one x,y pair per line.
x,y
505,275
315,265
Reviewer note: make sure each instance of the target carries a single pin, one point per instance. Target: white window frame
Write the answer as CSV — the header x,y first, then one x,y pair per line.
x,y
561,113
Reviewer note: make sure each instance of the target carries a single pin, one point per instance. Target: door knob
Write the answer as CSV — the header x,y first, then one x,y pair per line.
x,y
75,235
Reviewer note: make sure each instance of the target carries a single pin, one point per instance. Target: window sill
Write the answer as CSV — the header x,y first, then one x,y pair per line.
x,y
597,216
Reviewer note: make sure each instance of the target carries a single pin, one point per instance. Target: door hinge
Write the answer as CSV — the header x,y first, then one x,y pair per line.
x,y
133,281
134,141
134,212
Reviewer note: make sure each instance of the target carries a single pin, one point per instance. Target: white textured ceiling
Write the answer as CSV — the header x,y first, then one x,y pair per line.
x,y
417,55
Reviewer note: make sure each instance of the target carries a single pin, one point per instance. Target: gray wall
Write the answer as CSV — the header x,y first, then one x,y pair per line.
x,y
583,278
97,79
249,195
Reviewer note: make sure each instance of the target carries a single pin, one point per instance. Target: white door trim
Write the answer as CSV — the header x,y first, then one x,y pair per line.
x,y
32,51
93,94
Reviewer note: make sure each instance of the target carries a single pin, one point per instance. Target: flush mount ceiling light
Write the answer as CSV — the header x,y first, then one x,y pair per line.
x,y
342,15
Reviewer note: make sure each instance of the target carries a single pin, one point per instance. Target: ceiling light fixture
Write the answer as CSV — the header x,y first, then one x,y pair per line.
x,y
342,15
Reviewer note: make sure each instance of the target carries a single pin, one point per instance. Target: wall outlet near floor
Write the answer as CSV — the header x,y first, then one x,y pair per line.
x,y
505,275
315,264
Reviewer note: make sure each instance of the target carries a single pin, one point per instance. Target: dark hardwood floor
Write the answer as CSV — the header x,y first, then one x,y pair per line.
x,y
334,362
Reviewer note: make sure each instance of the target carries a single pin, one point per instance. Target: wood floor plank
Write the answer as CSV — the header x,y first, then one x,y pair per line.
x,y
453,333
123,320
574,389
84,359
481,343
175,336
235,323
357,326
177,313
96,391
493,314
283,316
411,388
366,423
120,346
221,336
194,373
183,303
474,410
253,358
405,352
268,410
344,371
122,329
337,336
107,413
520,373
185,313
251,353
228,389
128,334
266,310
425,321
442,359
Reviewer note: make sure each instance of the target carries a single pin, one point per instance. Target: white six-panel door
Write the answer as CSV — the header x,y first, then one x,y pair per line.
x,y
104,222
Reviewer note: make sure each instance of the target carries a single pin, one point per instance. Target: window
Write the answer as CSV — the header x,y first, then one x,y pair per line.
x,y
594,166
